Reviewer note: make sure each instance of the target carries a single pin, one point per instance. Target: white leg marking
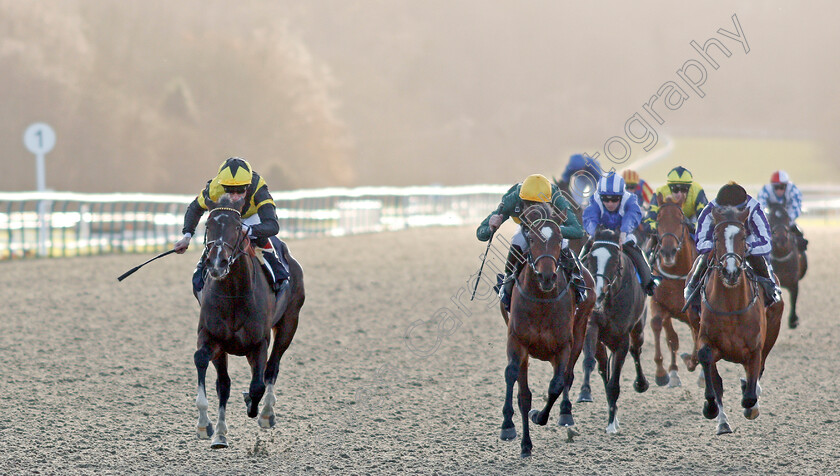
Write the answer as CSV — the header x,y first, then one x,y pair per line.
x,y
201,403
221,426
674,379
268,407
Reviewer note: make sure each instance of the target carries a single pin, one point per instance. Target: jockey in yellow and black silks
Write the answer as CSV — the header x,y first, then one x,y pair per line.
x,y
680,185
259,218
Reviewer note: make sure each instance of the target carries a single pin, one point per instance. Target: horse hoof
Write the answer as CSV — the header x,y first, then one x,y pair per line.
x,y
508,434
533,415
641,386
689,362
585,397
793,322
723,429
219,442
267,422
205,432
662,380
566,420
751,413
612,428
749,403
674,380
710,410
525,454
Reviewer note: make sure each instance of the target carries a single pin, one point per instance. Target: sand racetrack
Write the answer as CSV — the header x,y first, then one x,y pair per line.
x,y
98,376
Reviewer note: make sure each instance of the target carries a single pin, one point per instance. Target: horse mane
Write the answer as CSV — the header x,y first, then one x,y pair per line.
x,y
606,234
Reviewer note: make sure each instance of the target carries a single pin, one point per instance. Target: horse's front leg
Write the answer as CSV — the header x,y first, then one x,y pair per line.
x,y
257,360
525,407
707,359
555,387
588,361
637,340
511,376
283,334
723,422
750,388
793,319
566,418
673,346
223,391
202,361
661,376
613,386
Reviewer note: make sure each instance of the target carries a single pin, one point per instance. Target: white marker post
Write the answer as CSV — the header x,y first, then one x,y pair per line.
x,y
39,138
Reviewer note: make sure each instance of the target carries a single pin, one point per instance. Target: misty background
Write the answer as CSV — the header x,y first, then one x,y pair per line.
x,y
151,96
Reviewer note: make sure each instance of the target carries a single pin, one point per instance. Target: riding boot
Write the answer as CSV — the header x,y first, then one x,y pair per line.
x,y
198,274
764,275
801,242
692,297
276,268
504,282
648,283
570,264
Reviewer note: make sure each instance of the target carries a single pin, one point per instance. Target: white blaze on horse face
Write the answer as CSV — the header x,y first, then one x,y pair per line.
x,y
602,256
729,236
546,232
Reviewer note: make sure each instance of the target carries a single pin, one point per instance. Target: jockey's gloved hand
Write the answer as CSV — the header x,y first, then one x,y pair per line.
x,y
624,238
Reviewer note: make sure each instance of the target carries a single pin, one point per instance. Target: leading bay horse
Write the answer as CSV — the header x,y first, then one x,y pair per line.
x,y
734,323
543,323
672,259
789,264
617,322
238,312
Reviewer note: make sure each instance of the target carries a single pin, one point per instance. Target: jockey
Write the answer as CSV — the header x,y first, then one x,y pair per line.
x,y
615,208
237,179
758,242
782,190
535,188
590,173
680,185
639,187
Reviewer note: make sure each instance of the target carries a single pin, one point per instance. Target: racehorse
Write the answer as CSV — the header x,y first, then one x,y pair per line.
x,y
238,312
617,322
672,259
734,324
789,263
543,324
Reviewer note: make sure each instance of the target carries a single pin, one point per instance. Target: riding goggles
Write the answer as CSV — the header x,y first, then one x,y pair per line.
x,y
610,198
679,188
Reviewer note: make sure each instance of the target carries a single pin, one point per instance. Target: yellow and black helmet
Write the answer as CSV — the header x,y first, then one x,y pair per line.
x,y
535,188
235,172
679,175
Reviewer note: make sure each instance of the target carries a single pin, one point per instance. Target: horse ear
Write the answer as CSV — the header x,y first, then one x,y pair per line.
x,y
659,198
716,214
743,215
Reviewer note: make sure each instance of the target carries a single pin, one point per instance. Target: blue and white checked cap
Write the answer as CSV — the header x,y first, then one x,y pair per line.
x,y
611,184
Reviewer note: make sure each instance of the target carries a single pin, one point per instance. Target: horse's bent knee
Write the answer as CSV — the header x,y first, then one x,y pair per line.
x,y
511,372
705,354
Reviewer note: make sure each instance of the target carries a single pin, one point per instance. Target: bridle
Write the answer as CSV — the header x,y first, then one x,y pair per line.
x,y
785,231
533,261
685,224
719,263
236,250
619,270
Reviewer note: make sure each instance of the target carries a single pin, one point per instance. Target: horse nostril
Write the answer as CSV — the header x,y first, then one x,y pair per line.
x,y
223,262
553,276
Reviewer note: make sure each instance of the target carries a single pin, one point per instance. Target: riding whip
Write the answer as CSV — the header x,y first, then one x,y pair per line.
x,y
132,270
477,279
